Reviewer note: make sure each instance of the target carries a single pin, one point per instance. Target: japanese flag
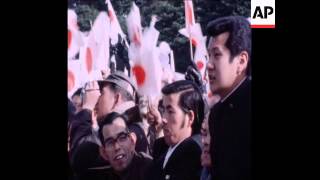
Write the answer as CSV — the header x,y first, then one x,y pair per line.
x,y
134,25
201,58
195,34
165,57
135,35
189,13
146,67
95,54
115,28
74,36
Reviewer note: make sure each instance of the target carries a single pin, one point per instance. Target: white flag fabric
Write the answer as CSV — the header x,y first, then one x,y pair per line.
x,y
115,28
199,41
135,35
74,35
150,61
201,58
72,19
195,34
94,56
144,55
166,60
100,30
134,25
189,13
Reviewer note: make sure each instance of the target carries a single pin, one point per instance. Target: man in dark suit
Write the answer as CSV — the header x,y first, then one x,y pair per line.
x,y
182,118
229,76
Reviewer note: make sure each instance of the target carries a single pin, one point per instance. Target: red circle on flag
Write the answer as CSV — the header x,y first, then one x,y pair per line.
x,y
210,94
89,60
110,15
71,80
194,41
200,64
140,74
69,38
136,36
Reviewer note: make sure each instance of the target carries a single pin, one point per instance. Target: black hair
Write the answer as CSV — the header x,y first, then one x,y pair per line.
x,y
77,93
71,109
189,100
109,120
239,38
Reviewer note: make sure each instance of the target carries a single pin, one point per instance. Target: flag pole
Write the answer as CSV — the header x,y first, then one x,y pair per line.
x,y
188,27
190,43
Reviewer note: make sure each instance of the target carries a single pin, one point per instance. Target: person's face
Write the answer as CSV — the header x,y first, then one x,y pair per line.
x,y
177,124
222,73
106,102
143,105
205,139
77,101
119,144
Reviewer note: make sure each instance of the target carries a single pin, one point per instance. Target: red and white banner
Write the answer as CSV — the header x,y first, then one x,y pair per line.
x,y
143,54
74,35
115,28
95,55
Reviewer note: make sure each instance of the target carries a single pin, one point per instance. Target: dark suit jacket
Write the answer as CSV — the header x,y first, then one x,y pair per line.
x,y
159,148
137,169
230,130
183,164
85,160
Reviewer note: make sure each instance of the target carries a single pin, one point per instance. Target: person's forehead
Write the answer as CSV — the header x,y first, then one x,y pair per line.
x,y
76,99
118,125
218,40
106,88
171,99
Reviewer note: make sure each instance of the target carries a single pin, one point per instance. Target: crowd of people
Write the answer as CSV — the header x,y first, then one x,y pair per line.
x,y
115,133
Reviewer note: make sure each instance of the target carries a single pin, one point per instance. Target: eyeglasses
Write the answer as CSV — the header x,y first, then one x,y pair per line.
x,y
120,139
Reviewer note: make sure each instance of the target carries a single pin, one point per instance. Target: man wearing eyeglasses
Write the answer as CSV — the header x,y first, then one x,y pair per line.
x,y
115,93
118,147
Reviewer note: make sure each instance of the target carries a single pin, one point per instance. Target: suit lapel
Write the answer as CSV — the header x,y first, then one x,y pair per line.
x,y
171,164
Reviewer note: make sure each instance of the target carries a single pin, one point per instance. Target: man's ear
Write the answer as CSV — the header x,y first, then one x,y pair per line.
x,y
117,98
133,137
243,62
103,153
190,115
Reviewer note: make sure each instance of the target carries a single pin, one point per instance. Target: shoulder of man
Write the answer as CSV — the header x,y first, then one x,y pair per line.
x,y
86,156
80,127
141,163
144,156
159,148
190,146
242,94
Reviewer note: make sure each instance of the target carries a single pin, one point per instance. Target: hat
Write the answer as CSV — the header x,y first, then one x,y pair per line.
x,y
121,80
